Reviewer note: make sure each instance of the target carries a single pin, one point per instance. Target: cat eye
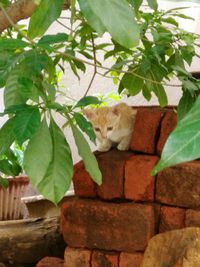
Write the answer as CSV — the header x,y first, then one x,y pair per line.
x,y
97,129
109,128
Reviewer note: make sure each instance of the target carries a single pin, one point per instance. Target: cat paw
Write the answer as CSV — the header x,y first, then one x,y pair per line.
x,y
103,148
122,147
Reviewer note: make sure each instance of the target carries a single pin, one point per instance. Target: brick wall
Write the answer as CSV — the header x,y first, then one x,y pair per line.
x,y
110,225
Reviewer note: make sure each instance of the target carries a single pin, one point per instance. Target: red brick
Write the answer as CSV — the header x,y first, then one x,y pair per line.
x,y
102,259
180,185
171,218
192,218
83,184
167,126
112,166
50,262
110,226
130,259
146,129
76,257
139,184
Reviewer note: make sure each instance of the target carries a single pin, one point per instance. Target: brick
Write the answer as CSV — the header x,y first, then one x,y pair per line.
x,y
112,166
108,226
171,218
180,185
167,126
139,184
77,257
83,184
102,259
192,218
130,259
50,261
146,130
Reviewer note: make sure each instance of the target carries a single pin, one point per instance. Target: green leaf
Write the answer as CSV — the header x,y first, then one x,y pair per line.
x,y
170,20
91,17
185,104
7,136
6,167
183,143
122,27
153,4
38,154
87,100
54,38
86,154
85,126
136,4
45,14
12,44
132,83
26,123
12,94
59,174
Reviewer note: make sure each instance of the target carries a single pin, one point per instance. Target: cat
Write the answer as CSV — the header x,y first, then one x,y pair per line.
x,y
112,125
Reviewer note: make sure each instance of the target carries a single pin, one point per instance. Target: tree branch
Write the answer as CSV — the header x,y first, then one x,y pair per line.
x,y
22,9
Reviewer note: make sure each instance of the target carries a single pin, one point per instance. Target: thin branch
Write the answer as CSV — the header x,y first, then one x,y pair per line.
x,y
62,24
95,65
118,71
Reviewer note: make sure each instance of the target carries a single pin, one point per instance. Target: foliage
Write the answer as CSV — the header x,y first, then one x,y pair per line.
x,y
147,48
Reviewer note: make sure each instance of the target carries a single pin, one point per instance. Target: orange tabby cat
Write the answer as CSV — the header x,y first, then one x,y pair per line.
x,y
112,125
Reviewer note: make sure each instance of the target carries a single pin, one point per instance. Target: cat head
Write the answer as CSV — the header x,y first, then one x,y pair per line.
x,y
105,120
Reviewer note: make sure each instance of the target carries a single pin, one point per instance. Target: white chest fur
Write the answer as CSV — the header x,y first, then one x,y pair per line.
x,y
117,135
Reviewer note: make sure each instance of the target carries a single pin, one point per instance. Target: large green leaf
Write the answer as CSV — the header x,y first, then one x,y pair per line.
x,y
7,136
85,126
88,157
185,104
183,143
91,17
45,14
132,83
12,44
27,122
38,154
118,18
59,174
12,94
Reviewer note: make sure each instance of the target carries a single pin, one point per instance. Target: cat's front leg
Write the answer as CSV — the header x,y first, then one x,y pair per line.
x,y
104,145
124,143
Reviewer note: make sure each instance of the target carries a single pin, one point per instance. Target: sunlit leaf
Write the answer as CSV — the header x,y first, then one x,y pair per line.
x,y
45,14
86,154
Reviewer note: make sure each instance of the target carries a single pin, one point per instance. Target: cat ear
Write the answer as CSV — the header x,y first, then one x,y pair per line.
x,y
89,113
116,111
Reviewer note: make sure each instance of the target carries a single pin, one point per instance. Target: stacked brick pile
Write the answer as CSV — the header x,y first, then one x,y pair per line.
x,y
110,225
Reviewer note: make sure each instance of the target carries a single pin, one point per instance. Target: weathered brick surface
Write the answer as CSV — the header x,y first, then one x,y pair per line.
x,y
171,218
83,184
112,165
130,259
139,184
105,259
180,185
192,218
51,262
76,257
110,226
167,126
146,129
